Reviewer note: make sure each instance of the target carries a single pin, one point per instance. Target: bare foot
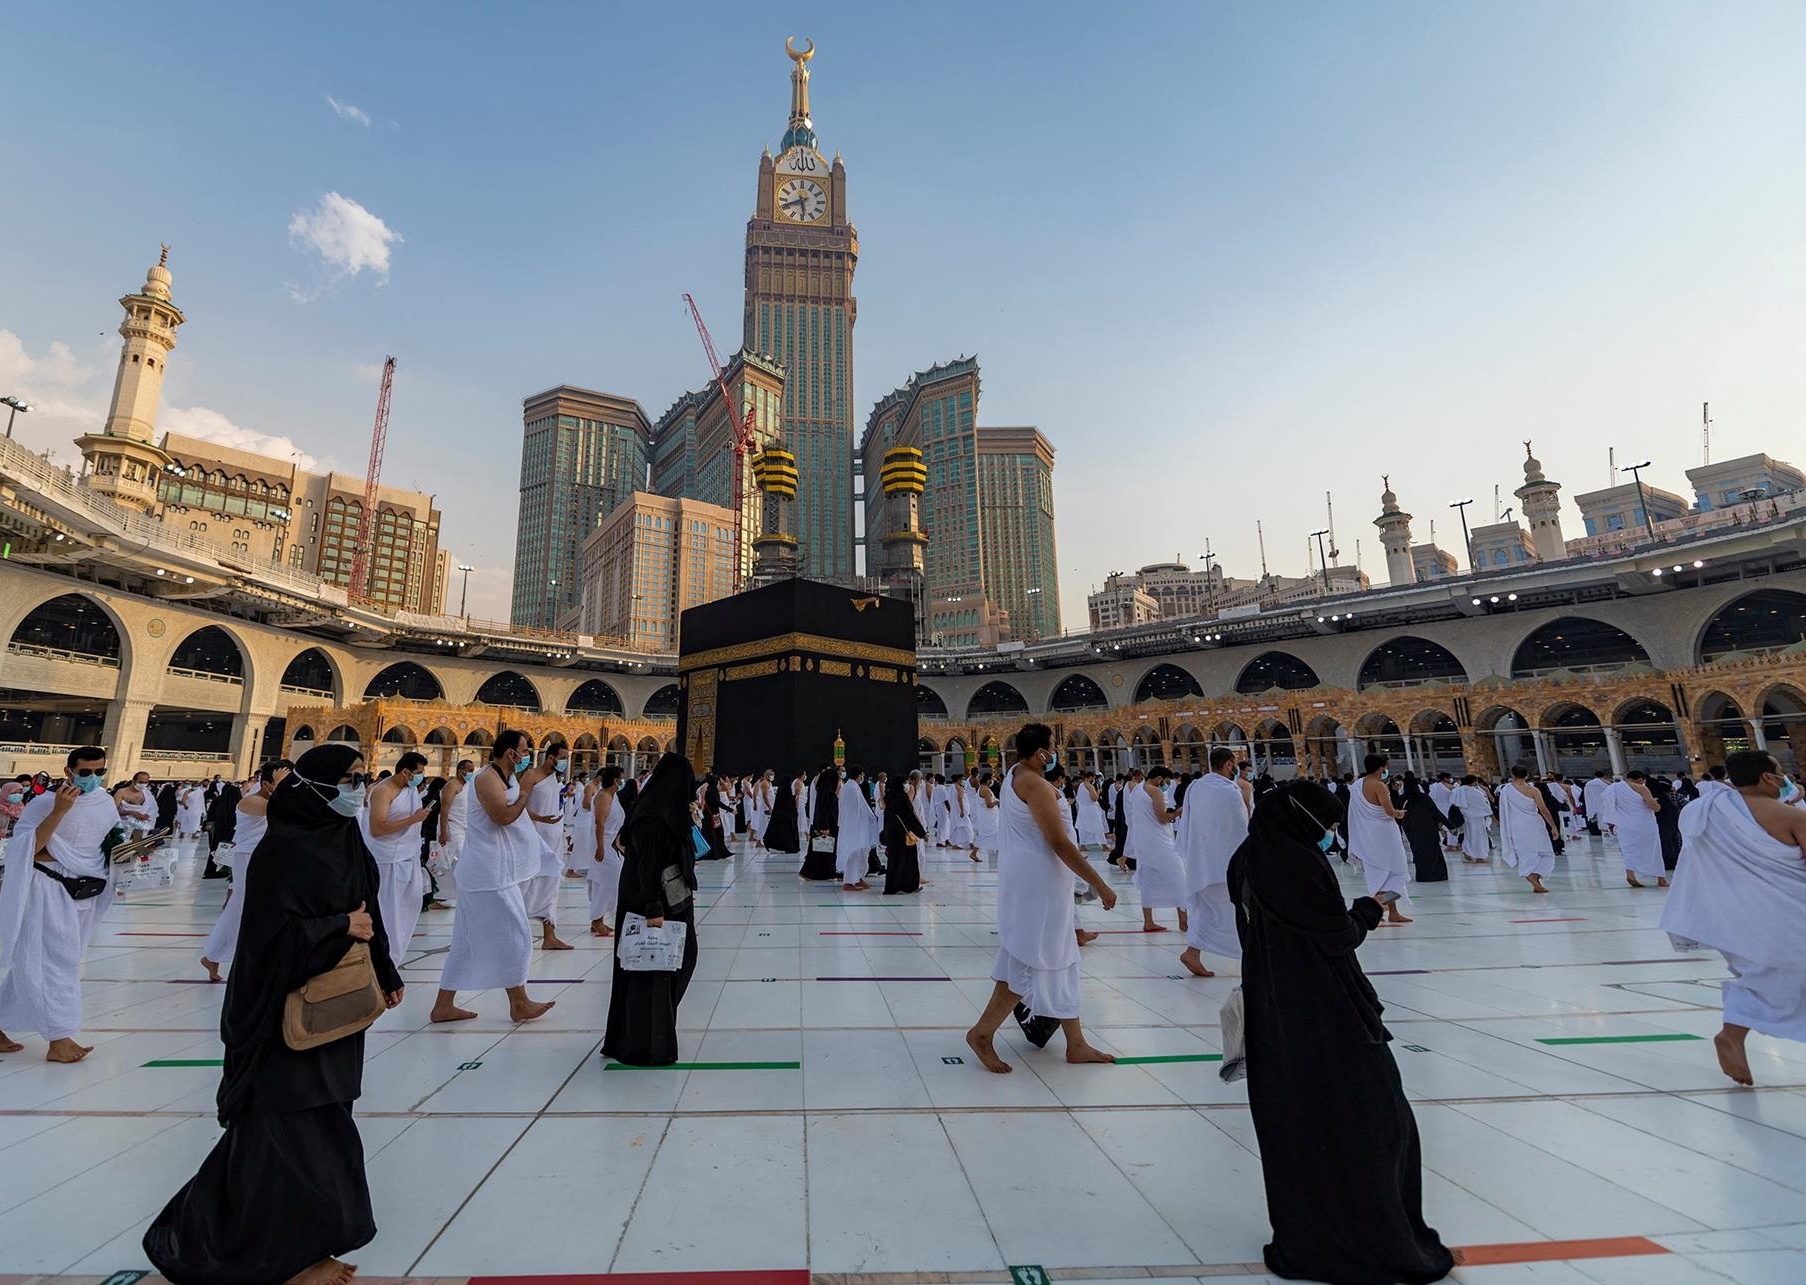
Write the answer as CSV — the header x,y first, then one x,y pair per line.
x,y
212,968
551,941
9,1045
1085,1053
1731,1058
1153,928
328,1271
1194,962
530,1010
1086,938
1536,883
1393,917
449,1013
67,1050
1661,883
1632,880
987,1053
975,857
600,928
861,886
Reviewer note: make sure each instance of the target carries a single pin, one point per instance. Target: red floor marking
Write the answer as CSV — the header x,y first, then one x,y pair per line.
x,y
873,933
161,934
655,1278
1574,919
1546,1251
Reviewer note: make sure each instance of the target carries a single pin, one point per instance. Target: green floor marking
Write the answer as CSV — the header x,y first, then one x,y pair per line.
x,y
1170,1057
1619,1039
710,1066
184,1061
1030,1276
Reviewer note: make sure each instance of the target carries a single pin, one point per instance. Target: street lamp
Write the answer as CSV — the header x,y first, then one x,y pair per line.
x,y
17,404
1636,473
1467,541
1322,562
464,594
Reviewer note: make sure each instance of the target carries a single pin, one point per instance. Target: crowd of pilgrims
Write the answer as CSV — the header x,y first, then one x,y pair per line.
x,y
327,861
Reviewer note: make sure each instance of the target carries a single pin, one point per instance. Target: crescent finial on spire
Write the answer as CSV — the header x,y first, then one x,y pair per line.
x,y
799,55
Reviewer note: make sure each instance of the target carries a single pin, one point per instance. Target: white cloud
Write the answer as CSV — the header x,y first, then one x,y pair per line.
x,y
346,112
64,395
211,426
347,238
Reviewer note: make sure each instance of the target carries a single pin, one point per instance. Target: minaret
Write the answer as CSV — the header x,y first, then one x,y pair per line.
x,y
1395,535
801,132
1540,502
123,460
774,548
904,477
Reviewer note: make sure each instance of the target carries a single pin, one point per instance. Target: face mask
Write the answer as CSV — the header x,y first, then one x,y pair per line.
x,y
89,784
464,776
1385,774
564,765
520,767
1328,841
349,801
1789,791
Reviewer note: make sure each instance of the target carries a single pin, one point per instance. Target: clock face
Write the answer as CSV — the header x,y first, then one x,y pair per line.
x,y
802,200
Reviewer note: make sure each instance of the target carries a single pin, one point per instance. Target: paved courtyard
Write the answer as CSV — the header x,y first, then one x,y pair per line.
x,y
829,1120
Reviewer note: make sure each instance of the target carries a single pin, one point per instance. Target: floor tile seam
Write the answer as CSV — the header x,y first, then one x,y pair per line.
x,y
1178,1236
1587,1168
1798,1186
174,1123
468,1197
645,1181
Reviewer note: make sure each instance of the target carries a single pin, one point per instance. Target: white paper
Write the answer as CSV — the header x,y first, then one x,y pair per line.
x,y
642,948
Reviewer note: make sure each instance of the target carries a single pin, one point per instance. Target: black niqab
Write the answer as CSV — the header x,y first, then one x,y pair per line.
x,y
1338,1143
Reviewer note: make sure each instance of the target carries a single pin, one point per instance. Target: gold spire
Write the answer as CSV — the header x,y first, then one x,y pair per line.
x,y
799,82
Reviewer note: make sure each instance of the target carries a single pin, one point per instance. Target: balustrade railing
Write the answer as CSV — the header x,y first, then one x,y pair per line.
x,y
62,653
207,676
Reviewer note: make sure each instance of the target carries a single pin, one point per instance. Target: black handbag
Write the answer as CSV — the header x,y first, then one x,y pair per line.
x,y
79,887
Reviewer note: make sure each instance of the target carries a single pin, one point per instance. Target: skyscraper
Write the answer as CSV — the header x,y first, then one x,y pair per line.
x,y
801,252
1021,570
582,453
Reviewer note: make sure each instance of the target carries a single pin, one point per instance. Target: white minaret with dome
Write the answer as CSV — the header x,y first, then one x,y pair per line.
x,y
1395,535
123,460
1541,505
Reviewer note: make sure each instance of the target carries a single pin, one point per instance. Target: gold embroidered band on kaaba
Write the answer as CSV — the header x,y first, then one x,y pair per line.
x,y
791,644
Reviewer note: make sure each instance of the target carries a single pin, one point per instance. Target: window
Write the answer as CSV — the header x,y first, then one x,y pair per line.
x,y
1614,522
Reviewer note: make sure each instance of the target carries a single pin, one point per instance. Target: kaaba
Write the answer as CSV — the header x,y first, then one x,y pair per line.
x,y
771,677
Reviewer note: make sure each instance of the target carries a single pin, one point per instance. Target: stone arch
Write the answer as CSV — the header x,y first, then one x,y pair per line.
x,y
1273,669
303,733
1647,730
345,732
1166,681
441,736
212,650
586,753
1781,707
1576,737
996,697
1760,621
313,671
511,689
1076,692
649,745
480,737
595,697
400,734
1578,644
1409,661
1273,746
405,679
662,703
74,622
1145,742
929,703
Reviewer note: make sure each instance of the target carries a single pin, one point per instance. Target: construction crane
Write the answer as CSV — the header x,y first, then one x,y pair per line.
x,y
366,534
1705,415
744,439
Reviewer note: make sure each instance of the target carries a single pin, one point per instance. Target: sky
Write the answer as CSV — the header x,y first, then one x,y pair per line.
x,y
1228,257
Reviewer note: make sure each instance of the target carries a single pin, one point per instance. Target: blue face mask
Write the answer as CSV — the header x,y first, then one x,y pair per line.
x,y
520,768
349,801
1385,774
1328,840
564,765
87,784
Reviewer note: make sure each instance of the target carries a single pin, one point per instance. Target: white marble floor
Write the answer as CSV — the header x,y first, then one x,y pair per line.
x,y
828,1117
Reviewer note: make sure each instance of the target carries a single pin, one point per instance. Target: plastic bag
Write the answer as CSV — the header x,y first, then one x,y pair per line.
x,y
642,948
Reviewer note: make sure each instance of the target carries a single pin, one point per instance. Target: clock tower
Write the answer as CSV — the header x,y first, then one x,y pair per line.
x,y
801,251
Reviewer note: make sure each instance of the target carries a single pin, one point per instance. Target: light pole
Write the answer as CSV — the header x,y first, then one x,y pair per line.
x,y
1636,473
1322,562
1467,541
17,404
464,594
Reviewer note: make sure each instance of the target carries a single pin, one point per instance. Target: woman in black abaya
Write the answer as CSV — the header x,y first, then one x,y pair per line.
x,y
781,832
1338,1144
1668,819
1423,831
283,1191
819,861
713,828
660,859
903,832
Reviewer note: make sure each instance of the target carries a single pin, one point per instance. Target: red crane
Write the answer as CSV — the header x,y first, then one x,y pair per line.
x,y
366,535
744,439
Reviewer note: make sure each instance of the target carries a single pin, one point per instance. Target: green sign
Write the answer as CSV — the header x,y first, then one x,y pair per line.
x,y
1030,1276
